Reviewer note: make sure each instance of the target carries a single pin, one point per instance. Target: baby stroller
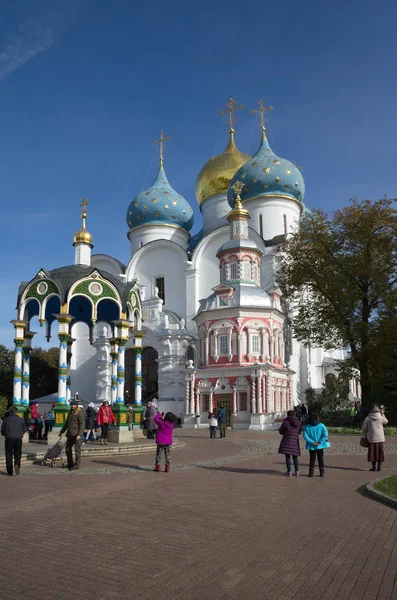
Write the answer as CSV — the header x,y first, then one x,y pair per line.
x,y
55,455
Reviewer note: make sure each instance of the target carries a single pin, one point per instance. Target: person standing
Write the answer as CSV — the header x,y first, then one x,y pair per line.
x,y
165,428
105,419
90,417
316,436
222,422
289,445
150,425
12,428
74,428
130,418
373,429
49,421
213,417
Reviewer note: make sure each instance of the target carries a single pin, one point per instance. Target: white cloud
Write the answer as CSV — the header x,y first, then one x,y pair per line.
x,y
31,39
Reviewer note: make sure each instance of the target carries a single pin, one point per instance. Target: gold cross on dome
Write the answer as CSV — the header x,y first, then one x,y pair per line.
x,y
83,205
238,187
231,107
261,111
161,143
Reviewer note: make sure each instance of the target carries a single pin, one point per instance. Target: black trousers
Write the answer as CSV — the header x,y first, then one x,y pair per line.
x,y
104,431
13,449
70,442
320,458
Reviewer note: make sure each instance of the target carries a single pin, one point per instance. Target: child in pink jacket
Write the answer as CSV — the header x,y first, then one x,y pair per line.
x,y
164,438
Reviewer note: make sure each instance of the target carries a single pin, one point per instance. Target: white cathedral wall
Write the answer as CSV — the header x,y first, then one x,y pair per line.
x,y
162,259
107,263
273,210
139,236
215,210
83,364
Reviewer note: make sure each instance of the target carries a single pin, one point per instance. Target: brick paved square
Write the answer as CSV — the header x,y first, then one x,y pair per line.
x,y
223,524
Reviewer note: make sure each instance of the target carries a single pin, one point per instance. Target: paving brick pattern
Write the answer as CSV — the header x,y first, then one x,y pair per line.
x,y
223,524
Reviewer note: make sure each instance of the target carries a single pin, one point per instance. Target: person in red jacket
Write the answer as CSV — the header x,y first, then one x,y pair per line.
x,y
105,418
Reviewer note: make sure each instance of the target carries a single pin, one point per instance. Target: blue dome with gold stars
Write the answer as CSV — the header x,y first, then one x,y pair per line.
x,y
161,205
268,175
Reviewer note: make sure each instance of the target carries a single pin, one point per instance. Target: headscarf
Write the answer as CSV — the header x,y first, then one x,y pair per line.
x,y
91,405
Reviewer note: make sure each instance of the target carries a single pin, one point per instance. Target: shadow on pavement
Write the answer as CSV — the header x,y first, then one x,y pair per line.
x,y
242,470
327,467
123,466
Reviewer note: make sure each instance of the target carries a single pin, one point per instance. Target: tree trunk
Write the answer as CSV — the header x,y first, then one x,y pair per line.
x,y
365,382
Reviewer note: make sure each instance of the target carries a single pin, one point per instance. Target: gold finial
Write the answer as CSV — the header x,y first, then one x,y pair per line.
x,y
83,205
161,143
261,111
238,187
83,236
231,107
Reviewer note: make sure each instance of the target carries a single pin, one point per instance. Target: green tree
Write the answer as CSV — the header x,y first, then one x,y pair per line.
x,y
43,372
4,403
334,396
339,276
6,372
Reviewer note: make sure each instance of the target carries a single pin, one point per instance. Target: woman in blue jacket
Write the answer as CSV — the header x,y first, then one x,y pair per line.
x,y
316,436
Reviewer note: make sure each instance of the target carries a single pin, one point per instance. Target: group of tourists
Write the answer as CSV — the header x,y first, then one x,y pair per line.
x,y
315,435
38,421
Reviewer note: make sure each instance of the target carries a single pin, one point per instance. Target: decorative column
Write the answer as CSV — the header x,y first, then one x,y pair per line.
x,y
260,406
68,380
253,394
61,409
207,348
235,401
26,369
211,399
197,410
138,408
121,433
114,354
270,396
19,342
187,393
192,381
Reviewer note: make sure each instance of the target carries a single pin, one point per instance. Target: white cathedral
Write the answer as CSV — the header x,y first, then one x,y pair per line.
x,y
210,330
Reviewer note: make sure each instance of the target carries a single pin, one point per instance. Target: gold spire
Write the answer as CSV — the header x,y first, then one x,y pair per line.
x,y
231,107
83,236
161,143
238,210
261,111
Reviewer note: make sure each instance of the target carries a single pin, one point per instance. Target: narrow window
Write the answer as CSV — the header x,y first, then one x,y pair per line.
x,y
247,270
205,403
255,344
223,344
285,224
243,401
160,285
233,271
260,226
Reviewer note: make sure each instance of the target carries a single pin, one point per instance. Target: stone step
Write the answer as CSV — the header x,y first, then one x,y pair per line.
x,y
110,450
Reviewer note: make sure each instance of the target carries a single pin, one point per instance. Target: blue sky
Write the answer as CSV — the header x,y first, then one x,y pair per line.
x,y
86,86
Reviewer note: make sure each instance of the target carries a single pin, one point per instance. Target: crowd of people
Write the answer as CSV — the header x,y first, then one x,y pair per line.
x,y
315,435
82,426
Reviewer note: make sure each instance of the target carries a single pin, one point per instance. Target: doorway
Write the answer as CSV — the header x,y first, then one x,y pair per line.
x,y
223,401
149,374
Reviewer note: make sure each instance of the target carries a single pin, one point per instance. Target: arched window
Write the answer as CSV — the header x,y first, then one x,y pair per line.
x,y
246,270
233,270
190,354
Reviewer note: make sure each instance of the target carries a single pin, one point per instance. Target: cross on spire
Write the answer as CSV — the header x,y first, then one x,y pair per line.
x,y
238,187
231,107
161,143
261,111
83,205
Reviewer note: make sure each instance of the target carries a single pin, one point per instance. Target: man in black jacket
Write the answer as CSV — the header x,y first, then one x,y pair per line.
x,y
13,428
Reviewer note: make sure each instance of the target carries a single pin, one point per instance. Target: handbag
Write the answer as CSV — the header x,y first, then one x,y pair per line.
x,y
364,442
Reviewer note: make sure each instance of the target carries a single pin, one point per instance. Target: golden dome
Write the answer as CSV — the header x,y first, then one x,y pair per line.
x,y
215,176
82,237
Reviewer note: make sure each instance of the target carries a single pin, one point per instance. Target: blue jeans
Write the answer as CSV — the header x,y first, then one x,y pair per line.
x,y
213,431
288,462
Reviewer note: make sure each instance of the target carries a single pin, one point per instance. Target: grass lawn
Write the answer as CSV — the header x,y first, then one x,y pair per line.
x,y
357,430
388,486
